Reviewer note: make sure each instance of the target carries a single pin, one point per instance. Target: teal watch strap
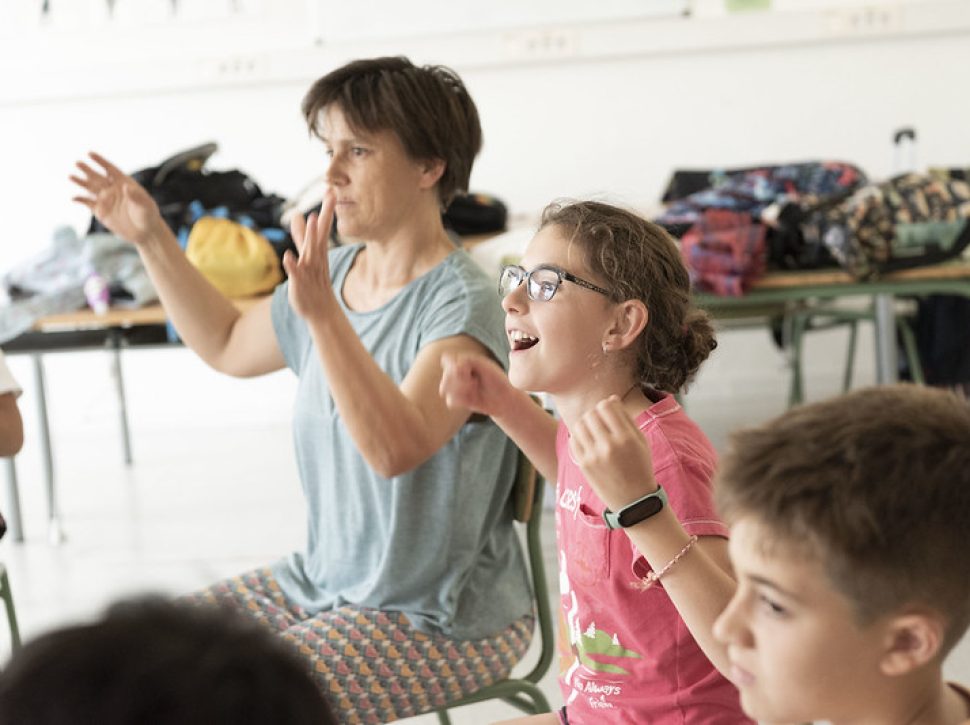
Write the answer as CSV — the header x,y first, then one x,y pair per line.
x,y
640,510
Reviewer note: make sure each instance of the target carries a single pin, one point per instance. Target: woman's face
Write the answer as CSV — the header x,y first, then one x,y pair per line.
x,y
556,344
377,185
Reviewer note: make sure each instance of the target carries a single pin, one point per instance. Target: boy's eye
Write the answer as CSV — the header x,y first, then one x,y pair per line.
x,y
772,607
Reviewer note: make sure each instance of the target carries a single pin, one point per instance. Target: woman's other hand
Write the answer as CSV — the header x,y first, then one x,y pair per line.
x,y
310,291
118,201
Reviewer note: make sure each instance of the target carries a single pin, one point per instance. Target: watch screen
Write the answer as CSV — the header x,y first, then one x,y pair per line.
x,y
639,511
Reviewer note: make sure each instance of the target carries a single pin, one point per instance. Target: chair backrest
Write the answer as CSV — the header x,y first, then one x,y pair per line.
x,y
7,597
527,496
523,692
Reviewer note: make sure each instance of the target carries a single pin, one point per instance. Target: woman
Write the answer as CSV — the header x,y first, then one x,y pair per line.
x,y
411,591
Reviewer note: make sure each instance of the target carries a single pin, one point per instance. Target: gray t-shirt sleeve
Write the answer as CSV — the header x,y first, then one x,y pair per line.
x,y
290,330
472,308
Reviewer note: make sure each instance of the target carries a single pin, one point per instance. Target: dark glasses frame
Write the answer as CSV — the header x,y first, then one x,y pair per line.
x,y
522,275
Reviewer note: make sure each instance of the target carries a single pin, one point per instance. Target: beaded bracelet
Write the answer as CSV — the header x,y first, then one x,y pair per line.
x,y
653,577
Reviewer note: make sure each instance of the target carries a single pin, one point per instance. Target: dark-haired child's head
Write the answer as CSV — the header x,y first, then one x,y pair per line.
x,y
154,661
849,519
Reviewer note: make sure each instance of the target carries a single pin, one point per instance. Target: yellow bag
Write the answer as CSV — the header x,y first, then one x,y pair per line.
x,y
237,260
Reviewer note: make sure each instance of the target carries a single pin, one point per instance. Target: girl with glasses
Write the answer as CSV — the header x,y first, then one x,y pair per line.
x,y
599,316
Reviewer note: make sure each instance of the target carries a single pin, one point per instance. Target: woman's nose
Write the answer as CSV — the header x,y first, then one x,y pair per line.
x,y
335,174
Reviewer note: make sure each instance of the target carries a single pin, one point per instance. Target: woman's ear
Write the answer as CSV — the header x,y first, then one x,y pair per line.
x,y
912,640
629,321
431,171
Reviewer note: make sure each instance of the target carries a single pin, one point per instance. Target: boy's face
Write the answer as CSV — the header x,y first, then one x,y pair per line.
x,y
797,653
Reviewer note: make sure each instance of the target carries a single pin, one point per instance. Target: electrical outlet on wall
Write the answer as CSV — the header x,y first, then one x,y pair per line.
x,y
860,20
542,43
235,68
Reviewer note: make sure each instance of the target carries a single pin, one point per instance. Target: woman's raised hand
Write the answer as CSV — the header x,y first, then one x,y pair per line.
x,y
309,290
118,201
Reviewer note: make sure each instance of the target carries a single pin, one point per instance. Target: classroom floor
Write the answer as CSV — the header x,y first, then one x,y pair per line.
x,y
212,490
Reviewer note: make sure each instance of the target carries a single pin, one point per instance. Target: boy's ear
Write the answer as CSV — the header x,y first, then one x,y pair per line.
x,y
912,640
431,172
629,321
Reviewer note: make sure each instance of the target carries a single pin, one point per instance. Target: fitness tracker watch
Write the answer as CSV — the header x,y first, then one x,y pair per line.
x,y
640,510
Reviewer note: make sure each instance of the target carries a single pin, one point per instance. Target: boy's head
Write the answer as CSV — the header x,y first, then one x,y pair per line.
x,y
636,259
849,521
427,107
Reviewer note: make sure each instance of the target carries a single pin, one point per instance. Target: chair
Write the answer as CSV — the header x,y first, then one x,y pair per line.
x,y
523,692
823,317
15,526
16,531
7,597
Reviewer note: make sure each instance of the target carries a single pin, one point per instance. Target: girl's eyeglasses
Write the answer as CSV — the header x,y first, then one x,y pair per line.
x,y
542,282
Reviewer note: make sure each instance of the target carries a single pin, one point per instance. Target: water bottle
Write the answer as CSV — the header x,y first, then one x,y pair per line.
x,y
96,293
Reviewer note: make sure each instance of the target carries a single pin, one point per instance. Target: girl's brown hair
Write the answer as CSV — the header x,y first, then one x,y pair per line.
x,y
636,259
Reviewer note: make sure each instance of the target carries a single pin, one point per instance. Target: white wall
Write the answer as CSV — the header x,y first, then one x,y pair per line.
x,y
613,112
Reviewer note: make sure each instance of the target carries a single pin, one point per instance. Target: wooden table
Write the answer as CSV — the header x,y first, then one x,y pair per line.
x,y
786,287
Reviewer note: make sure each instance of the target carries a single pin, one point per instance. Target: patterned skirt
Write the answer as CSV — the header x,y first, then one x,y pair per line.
x,y
372,665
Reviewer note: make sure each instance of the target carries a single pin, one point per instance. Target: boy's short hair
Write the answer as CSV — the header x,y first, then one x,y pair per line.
x,y
875,485
150,660
427,107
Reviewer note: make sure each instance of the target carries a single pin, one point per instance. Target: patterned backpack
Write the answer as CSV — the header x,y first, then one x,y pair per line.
x,y
909,221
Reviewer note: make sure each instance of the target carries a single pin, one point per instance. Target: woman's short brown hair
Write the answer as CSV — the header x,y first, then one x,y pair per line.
x,y
875,485
427,107
636,259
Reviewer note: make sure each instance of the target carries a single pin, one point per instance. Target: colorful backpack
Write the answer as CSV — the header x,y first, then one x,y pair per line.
x,y
775,198
724,252
909,221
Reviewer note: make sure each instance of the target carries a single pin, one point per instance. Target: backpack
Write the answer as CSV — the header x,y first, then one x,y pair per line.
x,y
775,196
182,179
724,252
475,213
237,260
908,221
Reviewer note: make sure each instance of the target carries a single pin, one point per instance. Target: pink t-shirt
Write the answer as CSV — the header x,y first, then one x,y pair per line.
x,y
626,656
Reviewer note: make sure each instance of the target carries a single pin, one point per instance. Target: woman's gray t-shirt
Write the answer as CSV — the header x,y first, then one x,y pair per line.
x,y
436,543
